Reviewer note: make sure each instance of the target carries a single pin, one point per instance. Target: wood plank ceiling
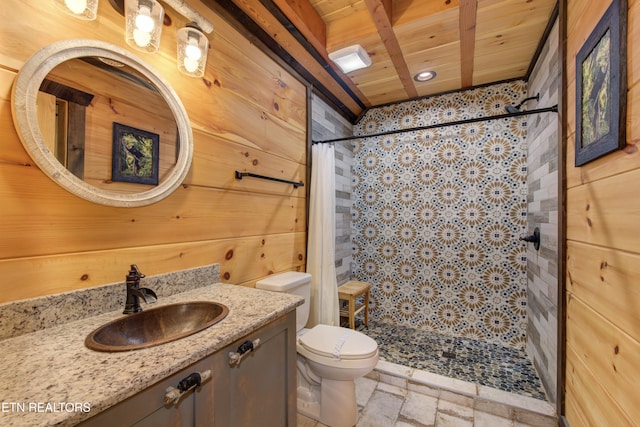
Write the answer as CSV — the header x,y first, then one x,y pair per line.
x,y
466,42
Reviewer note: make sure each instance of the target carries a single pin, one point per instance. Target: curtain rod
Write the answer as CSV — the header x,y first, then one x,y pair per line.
x,y
440,125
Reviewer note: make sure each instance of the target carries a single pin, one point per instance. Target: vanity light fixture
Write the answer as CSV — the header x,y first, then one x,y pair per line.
x,y
425,76
193,47
143,27
81,9
351,58
143,24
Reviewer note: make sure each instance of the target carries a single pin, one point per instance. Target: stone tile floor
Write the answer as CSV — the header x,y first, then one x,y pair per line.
x,y
381,404
416,384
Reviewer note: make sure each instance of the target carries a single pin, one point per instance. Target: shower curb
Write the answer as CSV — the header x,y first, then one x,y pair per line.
x,y
512,406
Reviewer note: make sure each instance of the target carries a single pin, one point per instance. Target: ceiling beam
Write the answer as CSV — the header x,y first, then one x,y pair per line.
x,y
381,12
468,10
307,20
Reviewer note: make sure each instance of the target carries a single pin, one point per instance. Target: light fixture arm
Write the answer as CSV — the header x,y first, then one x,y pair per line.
x,y
191,14
179,6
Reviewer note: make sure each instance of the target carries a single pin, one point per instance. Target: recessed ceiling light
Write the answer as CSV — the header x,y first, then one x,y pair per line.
x,y
424,76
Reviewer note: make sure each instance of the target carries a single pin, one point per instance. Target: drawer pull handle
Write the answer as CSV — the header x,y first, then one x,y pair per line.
x,y
235,357
172,395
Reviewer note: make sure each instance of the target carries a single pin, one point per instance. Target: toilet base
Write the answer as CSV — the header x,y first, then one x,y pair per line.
x,y
333,403
338,403
309,401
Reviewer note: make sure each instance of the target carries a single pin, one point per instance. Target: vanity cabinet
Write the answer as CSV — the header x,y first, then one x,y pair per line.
x,y
260,389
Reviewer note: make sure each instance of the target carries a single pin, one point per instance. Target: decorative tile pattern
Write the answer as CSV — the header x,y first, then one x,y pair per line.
x,y
437,215
491,365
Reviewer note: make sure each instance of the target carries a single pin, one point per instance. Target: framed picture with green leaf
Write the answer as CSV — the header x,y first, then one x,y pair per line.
x,y
135,155
601,87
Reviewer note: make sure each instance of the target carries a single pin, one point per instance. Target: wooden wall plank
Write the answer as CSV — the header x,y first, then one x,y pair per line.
x,y
252,258
57,222
241,260
247,113
608,353
606,280
574,413
588,404
218,160
602,213
11,150
603,252
278,93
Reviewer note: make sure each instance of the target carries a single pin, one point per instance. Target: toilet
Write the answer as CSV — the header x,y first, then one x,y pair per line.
x,y
330,358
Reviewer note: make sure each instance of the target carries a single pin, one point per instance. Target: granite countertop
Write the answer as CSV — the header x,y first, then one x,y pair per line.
x,y
49,376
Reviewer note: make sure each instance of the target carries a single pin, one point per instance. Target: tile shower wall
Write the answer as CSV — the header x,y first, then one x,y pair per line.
x,y
328,124
542,270
437,215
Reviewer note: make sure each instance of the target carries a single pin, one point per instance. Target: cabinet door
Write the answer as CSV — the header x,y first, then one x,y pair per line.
x,y
182,414
260,390
147,408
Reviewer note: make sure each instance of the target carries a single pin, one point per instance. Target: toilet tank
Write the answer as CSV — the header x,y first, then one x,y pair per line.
x,y
291,282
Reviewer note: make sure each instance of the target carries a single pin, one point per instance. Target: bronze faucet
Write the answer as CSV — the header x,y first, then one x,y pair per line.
x,y
135,292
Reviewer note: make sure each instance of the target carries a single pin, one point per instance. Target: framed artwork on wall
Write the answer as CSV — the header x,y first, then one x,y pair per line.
x,y
601,87
135,155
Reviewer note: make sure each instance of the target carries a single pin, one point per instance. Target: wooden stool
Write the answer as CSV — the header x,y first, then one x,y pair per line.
x,y
350,291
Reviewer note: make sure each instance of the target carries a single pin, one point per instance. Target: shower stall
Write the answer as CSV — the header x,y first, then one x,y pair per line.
x,y
438,213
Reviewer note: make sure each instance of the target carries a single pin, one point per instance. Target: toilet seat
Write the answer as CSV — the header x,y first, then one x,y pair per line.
x,y
336,343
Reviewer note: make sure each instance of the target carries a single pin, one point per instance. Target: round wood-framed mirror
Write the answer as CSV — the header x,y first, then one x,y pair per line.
x,y
168,145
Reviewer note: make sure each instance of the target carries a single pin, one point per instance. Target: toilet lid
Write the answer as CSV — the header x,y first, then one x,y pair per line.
x,y
338,343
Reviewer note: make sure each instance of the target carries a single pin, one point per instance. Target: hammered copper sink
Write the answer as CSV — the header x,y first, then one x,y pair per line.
x,y
156,326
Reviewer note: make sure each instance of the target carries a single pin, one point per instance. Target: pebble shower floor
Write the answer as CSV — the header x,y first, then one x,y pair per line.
x,y
465,359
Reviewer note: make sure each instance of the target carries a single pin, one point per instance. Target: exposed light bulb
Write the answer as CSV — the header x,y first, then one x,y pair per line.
x,y
144,22
76,6
190,64
142,38
192,50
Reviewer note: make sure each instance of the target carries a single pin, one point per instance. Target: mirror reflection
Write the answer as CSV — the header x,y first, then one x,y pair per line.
x,y
111,119
107,124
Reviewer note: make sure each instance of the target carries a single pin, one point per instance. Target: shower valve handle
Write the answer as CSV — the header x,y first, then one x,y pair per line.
x,y
533,238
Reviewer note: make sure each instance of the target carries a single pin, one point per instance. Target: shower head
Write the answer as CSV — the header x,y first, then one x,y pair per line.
x,y
511,109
